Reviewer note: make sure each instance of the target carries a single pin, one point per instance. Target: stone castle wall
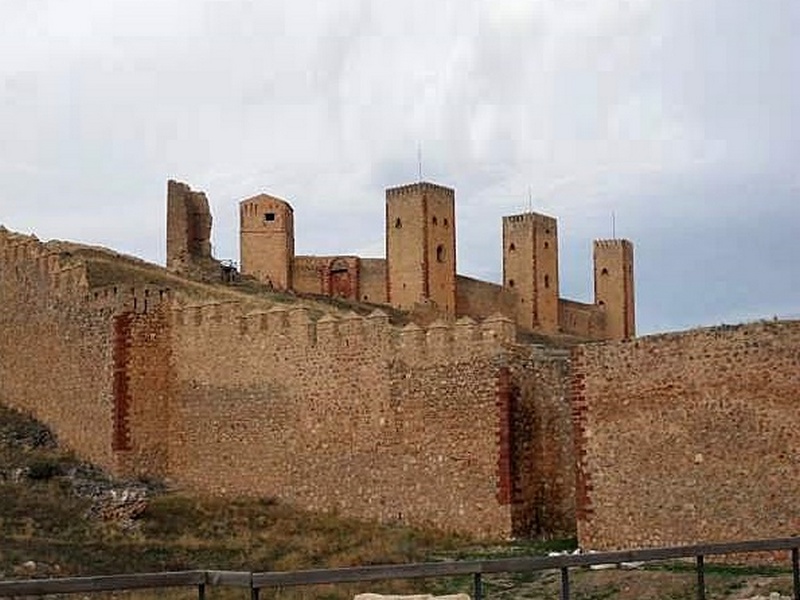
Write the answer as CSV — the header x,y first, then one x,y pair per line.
x,y
587,321
55,351
480,299
348,414
542,445
679,438
688,437
373,281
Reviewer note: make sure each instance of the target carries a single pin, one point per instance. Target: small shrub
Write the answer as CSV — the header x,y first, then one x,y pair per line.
x,y
44,469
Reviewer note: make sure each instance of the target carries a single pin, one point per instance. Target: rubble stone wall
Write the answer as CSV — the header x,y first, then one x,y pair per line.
x,y
688,437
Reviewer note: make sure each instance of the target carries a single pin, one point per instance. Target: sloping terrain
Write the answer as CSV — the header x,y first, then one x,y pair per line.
x,y
59,516
106,267
62,517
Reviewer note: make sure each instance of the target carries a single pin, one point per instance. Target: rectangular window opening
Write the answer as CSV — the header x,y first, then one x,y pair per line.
x,y
269,217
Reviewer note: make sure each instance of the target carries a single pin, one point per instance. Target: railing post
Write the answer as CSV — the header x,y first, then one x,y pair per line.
x,y
254,593
564,583
201,591
477,586
701,578
796,573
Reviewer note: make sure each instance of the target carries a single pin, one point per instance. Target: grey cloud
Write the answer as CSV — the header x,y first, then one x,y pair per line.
x,y
675,116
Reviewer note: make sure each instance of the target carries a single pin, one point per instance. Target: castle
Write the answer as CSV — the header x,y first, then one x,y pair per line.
x,y
496,410
419,271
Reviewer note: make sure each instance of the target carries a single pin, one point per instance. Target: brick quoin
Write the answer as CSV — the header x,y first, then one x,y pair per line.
x,y
503,402
583,483
122,397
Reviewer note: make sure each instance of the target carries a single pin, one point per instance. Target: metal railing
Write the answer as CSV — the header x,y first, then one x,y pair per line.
x,y
255,582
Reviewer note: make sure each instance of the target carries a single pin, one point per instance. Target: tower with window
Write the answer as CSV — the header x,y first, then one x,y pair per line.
x,y
266,246
530,269
421,246
613,286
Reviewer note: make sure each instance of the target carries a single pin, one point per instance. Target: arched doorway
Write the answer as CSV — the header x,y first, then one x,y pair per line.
x,y
342,279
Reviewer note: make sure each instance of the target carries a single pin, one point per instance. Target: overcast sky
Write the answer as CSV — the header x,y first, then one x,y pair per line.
x,y
678,117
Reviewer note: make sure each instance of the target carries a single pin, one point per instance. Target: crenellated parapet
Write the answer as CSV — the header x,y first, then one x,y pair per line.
x,y
292,331
34,265
121,298
423,187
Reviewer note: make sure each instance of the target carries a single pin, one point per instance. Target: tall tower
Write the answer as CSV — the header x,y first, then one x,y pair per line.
x,y
421,246
613,286
267,240
530,269
188,229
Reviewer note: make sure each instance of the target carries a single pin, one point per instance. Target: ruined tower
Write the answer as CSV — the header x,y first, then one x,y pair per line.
x,y
613,286
421,246
530,269
267,240
188,229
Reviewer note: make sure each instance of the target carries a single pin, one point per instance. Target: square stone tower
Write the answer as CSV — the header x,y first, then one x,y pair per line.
x,y
267,240
530,269
613,286
421,246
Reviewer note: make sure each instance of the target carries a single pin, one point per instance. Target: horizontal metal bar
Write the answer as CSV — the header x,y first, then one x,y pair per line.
x,y
507,565
229,578
378,572
107,583
371,573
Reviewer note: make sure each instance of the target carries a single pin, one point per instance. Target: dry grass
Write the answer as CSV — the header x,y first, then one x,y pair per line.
x,y
42,520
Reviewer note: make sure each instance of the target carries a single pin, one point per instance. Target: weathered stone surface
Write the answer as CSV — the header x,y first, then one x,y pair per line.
x,y
688,437
347,413
188,229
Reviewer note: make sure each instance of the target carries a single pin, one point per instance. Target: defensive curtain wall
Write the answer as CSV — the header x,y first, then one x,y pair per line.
x,y
688,437
454,425
679,438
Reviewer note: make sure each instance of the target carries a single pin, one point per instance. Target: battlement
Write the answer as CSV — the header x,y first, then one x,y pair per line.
x,y
421,187
121,298
30,260
528,217
293,330
266,198
615,243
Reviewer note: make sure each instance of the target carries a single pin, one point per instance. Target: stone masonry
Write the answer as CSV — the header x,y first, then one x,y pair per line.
x,y
688,437
418,273
188,231
331,411
456,423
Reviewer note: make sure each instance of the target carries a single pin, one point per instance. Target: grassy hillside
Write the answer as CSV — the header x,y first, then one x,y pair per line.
x,y
72,519
60,517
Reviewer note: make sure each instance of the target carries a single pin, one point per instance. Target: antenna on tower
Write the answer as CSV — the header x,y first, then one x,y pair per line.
x,y
419,161
613,225
530,200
